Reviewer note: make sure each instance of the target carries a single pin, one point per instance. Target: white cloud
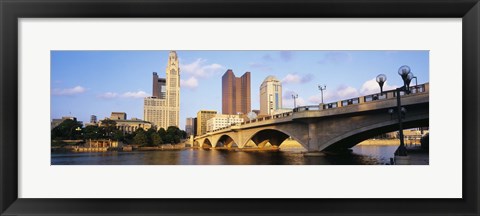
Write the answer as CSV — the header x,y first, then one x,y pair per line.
x,y
287,94
291,78
68,91
288,103
137,94
199,68
130,94
190,83
341,93
288,100
108,95
295,78
372,87
347,92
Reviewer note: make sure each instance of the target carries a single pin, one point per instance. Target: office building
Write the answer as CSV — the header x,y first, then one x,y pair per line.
x,y
159,87
270,96
118,116
127,125
189,126
222,120
202,117
163,107
235,93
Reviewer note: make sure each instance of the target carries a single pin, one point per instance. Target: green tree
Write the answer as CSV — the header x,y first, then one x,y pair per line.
x,y
173,134
118,135
184,134
68,129
149,134
140,138
93,132
162,132
156,139
168,139
110,127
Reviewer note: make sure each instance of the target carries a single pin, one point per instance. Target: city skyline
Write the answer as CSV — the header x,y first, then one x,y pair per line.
x,y
85,83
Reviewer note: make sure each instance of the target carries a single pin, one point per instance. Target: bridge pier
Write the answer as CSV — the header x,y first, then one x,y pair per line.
x,y
313,139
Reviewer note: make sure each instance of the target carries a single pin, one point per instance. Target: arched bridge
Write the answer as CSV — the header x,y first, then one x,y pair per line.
x,y
332,126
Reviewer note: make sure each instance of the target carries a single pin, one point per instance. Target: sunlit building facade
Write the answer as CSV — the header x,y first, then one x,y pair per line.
x,y
221,121
235,93
163,107
202,117
270,96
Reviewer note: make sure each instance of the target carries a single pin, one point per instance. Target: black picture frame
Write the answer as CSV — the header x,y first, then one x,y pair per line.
x,y
12,10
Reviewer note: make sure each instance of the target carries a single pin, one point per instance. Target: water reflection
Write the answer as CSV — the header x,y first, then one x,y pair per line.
x,y
359,155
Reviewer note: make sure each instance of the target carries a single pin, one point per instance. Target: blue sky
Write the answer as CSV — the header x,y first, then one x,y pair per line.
x,y
85,83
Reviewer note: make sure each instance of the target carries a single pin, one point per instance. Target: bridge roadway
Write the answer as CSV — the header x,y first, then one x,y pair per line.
x,y
327,127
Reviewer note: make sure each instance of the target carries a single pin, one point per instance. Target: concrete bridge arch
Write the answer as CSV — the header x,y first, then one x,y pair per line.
x,y
353,137
228,140
274,135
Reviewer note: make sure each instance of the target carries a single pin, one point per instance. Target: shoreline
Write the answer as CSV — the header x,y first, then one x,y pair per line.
x,y
387,142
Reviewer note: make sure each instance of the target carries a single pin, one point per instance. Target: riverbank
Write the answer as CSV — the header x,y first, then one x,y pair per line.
x,y
124,148
388,142
418,156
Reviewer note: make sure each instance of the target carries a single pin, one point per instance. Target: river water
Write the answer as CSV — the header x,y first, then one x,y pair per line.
x,y
360,155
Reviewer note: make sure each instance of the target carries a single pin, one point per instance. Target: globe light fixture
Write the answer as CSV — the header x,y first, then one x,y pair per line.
x,y
381,79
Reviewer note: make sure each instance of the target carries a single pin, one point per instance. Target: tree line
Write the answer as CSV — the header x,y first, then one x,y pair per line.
x,y
73,130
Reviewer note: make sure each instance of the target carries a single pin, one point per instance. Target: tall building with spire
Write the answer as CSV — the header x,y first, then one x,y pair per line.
x,y
235,93
163,107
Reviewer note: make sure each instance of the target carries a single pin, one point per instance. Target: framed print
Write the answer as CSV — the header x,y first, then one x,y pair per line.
x,y
253,107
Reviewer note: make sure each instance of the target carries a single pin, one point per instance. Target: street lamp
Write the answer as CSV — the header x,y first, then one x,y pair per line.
x,y
294,96
407,76
322,89
381,79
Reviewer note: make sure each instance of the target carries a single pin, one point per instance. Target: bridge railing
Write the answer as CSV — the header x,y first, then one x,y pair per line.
x,y
358,100
362,99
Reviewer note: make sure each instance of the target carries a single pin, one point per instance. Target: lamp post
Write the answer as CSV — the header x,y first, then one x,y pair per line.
x,y
294,96
381,79
322,88
416,84
407,76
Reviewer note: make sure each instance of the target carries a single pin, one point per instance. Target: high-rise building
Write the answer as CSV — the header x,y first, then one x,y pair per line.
x,y
189,126
163,108
194,126
202,117
235,93
270,96
159,87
